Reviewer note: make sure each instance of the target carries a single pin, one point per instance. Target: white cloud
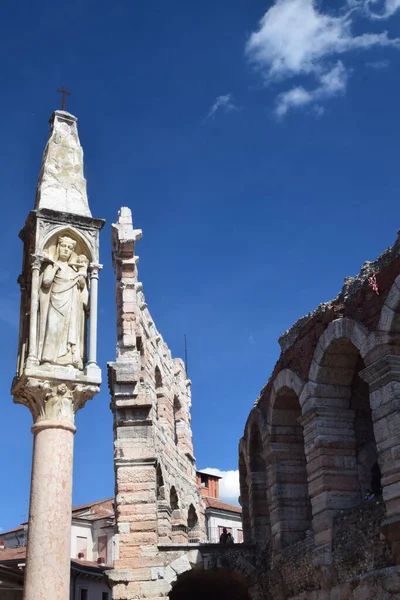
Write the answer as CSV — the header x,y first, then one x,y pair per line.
x,y
378,64
331,83
222,104
389,8
295,39
228,486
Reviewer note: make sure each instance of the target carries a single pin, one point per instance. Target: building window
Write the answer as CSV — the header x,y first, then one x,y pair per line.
x,y
102,548
204,480
81,547
84,594
104,596
240,536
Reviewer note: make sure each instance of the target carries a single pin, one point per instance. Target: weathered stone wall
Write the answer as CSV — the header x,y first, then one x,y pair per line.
x,y
359,546
324,429
157,497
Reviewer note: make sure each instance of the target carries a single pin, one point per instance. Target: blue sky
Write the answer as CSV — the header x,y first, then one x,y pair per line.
x,y
257,145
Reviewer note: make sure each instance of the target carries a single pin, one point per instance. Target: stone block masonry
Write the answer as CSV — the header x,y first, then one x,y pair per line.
x,y
321,437
158,502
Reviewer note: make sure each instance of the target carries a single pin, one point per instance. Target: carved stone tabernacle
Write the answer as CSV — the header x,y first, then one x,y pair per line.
x,y
56,368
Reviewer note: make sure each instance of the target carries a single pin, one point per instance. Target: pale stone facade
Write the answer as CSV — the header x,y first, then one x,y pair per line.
x,y
157,498
56,369
324,430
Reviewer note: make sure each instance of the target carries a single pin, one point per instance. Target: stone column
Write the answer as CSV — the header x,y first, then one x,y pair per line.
x,y
36,264
331,466
94,282
47,572
383,377
259,507
53,404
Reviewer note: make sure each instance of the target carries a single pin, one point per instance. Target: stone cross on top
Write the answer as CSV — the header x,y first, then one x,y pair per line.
x,y
64,92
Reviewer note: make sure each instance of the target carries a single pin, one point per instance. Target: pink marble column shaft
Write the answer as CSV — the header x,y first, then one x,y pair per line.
x,y
47,575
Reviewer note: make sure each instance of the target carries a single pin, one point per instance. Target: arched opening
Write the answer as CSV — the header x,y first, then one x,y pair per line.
x,y
366,452
177,408
192,517
160,484
173,499
193,525
258,503
244,498
158,378
214,584
349,467
178,521
290,504
163,508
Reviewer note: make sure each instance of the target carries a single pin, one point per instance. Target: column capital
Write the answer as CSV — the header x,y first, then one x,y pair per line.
x,y
36,261
94,269
52,400
383,371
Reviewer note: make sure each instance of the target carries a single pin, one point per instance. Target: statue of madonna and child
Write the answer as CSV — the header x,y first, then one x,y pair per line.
x,y
63,306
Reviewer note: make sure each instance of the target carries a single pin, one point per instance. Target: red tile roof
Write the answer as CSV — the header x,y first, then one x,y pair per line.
x,y
19,528
12,554
100,510
19,555
217,504
89,505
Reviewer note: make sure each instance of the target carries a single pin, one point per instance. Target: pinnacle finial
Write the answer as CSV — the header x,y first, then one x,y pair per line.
x,y
62,185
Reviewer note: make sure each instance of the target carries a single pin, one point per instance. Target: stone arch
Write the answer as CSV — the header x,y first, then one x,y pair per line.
x,y
49,242
390,314
340,329
258,487
212,576
287,379
337,420
290,503
244,493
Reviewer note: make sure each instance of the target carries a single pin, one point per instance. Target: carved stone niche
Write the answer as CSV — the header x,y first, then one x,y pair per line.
x,y
57,302
50,400
63,301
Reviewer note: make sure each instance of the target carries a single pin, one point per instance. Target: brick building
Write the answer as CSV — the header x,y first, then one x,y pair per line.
x,y
323,431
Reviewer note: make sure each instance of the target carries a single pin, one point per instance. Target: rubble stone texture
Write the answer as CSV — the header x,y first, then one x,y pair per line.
x,y
56,368
325,428
159,510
